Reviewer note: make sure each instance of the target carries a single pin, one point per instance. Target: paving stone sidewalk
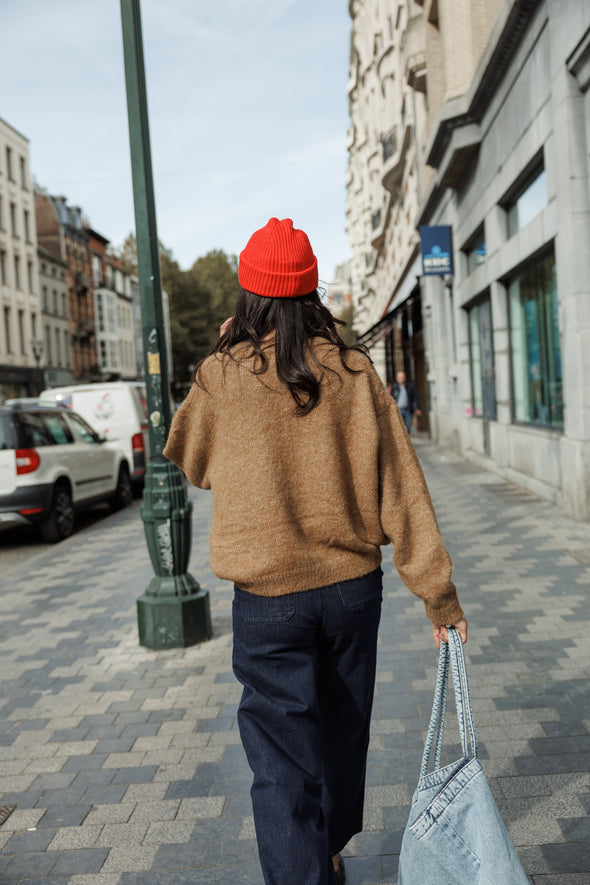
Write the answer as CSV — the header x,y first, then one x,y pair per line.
x,y
125,764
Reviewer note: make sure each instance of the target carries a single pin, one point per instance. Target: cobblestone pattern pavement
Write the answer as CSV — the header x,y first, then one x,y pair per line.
x,y
125,764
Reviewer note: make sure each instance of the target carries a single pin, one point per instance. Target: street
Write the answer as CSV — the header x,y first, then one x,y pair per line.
x,y
18,546
125,764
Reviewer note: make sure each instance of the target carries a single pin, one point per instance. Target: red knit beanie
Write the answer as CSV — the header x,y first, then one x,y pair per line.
x,y
278,262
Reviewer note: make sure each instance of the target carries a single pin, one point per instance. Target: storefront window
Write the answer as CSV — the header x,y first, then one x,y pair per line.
x,y
536,355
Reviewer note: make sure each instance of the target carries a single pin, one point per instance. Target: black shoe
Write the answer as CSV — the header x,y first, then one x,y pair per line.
x,y
340,872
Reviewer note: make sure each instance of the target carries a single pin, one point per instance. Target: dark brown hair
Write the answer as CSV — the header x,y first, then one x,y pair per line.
x,y
295,321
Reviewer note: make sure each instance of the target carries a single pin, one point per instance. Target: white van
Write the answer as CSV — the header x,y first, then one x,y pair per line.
x,y
117,410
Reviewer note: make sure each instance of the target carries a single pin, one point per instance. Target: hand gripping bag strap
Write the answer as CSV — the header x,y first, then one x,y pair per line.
x,y
451,654
439,703
455,834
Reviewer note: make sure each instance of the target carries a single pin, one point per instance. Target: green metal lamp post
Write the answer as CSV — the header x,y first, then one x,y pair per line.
x,y
174,610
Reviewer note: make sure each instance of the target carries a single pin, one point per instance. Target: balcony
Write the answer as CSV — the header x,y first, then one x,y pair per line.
x,y
394,154
389,144
414,51
81,282
379,221
84,328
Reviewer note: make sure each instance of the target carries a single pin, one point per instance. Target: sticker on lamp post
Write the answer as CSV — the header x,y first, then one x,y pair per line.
x,y
437,250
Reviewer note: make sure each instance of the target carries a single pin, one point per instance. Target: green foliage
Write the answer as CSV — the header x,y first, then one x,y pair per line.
x,y
199,299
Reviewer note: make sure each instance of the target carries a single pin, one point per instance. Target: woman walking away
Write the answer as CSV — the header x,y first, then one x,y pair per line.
x,y
312,472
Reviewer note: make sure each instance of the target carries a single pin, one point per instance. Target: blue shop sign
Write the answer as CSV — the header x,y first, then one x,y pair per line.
x,y
437,250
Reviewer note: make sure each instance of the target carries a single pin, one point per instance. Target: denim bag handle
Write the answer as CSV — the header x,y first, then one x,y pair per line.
x,y
451,655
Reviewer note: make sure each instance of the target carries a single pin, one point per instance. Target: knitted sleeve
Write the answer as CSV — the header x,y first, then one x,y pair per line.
x,y
409,521
191,439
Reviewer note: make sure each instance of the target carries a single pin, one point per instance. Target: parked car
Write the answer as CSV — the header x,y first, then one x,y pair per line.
x,y
117,410
52,463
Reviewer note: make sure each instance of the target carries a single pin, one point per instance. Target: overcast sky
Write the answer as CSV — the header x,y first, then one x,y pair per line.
x,y
248,115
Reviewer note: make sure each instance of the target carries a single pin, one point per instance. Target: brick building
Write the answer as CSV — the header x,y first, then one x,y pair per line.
x,y
61,231
113,306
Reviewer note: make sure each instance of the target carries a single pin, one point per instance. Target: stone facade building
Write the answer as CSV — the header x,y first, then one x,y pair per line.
x,y
20,322
497,95
55,356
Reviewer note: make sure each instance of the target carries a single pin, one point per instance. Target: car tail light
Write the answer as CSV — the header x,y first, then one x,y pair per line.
x,y
27,461
137,442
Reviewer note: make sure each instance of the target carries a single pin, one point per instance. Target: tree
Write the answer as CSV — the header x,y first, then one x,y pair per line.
x,y
126,253
217,273
199,300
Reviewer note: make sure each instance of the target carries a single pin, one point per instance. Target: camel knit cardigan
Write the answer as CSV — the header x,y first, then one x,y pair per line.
x,y
301,502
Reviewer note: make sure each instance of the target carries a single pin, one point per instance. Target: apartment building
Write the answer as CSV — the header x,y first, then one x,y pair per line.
x,y
385,181
54,353
62,231
20,323
113,309
498,153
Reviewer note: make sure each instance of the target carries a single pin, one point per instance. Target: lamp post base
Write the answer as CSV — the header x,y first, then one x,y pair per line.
x,y
173,621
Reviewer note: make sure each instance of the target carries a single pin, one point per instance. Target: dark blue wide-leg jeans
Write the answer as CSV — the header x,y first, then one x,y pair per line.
x,y
307,664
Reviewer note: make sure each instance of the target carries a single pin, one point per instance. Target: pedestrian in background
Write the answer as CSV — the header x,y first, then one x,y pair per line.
x,y
311,472
406,398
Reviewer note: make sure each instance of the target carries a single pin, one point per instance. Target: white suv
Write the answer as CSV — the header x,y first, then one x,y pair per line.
x,y
53,463
117,410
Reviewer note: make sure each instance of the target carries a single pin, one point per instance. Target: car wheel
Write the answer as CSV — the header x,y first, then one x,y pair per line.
x,y
60,522
123,496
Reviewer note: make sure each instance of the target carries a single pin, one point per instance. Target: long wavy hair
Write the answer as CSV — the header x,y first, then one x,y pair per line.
x,y
295,321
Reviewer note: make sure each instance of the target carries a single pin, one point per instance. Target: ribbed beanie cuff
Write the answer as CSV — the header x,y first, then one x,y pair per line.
x,y
278,262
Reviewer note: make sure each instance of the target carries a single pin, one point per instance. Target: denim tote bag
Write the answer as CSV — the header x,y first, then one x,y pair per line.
x,y
454,834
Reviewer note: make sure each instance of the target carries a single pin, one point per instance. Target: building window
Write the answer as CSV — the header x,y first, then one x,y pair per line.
x,y
27,225
9,170
13,226
536,355
17,280
99,313
103,355
528,201
67,349
3,267
7,330
21,331
23,173
30,275
54,293
96,270
57,347
44,294
1,213
34,325
475,251
64,309
111,324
